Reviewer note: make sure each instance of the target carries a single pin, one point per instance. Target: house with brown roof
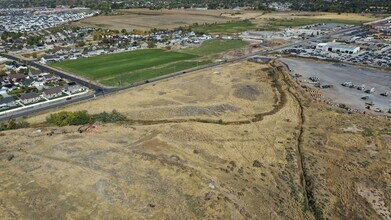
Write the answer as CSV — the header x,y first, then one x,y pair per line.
x,y
52,92
51,78
16,77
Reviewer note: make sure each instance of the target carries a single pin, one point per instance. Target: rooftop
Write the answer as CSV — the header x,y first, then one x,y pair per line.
x,y
29,95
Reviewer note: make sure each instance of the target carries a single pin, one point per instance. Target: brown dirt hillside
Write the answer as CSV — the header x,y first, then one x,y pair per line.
x,y
236,142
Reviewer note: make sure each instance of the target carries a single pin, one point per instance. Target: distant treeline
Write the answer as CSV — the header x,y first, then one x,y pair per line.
x,y
356,6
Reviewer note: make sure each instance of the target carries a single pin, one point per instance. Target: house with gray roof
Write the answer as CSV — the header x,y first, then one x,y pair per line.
x,y
7,102
52,92
28,98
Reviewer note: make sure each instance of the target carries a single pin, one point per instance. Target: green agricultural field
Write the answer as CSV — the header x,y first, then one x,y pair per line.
x,y
215,46
129,67
225,28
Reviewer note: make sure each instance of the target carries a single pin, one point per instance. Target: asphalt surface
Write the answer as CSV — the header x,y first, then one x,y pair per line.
x,y
336,74
102,90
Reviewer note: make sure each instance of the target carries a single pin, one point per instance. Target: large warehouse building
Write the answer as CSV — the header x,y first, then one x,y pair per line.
x,y
338,48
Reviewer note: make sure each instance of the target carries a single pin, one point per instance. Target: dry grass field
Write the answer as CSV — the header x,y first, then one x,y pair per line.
x,y
188,168
145,19
259,15
233,85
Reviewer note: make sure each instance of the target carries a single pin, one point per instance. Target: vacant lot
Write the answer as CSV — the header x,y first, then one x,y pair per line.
x,y
335,17
253,20
144,19
191,96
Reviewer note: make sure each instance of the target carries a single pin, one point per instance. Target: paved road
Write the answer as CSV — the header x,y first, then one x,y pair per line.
x,y
102,90
63,74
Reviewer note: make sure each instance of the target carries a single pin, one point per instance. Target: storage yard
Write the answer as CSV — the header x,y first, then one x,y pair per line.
x,y
337,74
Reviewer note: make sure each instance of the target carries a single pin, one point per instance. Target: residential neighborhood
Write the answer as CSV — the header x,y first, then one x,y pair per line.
x,y
35,19
22,85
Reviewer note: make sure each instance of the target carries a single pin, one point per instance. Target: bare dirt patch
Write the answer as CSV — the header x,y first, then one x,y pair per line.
x,y
248,92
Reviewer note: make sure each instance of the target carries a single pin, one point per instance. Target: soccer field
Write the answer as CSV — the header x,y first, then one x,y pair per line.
x,y
135,66
129,67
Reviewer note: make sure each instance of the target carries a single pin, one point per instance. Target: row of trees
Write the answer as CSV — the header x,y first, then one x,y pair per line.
x,y
68,118
65,118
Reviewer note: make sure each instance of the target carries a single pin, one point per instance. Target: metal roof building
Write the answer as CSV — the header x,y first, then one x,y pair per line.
x,y
338,48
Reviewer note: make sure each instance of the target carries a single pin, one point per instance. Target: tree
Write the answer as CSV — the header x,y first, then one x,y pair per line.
x,y
2,72
34,40
151,44
4,36
80,43
124,31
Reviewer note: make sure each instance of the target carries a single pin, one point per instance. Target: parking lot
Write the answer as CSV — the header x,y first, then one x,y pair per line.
x,y
336,74
372,54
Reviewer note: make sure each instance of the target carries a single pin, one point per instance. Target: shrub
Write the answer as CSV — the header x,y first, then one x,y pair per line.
x,y
13,124
368,132
106,117
70,118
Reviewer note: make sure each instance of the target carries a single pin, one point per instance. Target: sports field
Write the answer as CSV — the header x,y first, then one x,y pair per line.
x,y
128,67
136,66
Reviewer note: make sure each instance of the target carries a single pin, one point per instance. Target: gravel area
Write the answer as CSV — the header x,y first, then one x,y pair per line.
x,y
336,74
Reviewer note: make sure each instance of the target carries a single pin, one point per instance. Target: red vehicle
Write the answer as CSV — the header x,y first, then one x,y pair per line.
x,y
69,98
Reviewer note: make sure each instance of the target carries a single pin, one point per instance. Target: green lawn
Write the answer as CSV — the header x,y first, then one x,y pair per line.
x,y
225,28
136,66
214,46
127,67
152,72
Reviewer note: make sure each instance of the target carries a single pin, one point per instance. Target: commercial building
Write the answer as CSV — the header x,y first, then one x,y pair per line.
x,y
338,48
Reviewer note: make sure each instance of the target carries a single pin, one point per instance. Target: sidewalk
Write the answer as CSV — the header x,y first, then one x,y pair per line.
x,y
42,103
